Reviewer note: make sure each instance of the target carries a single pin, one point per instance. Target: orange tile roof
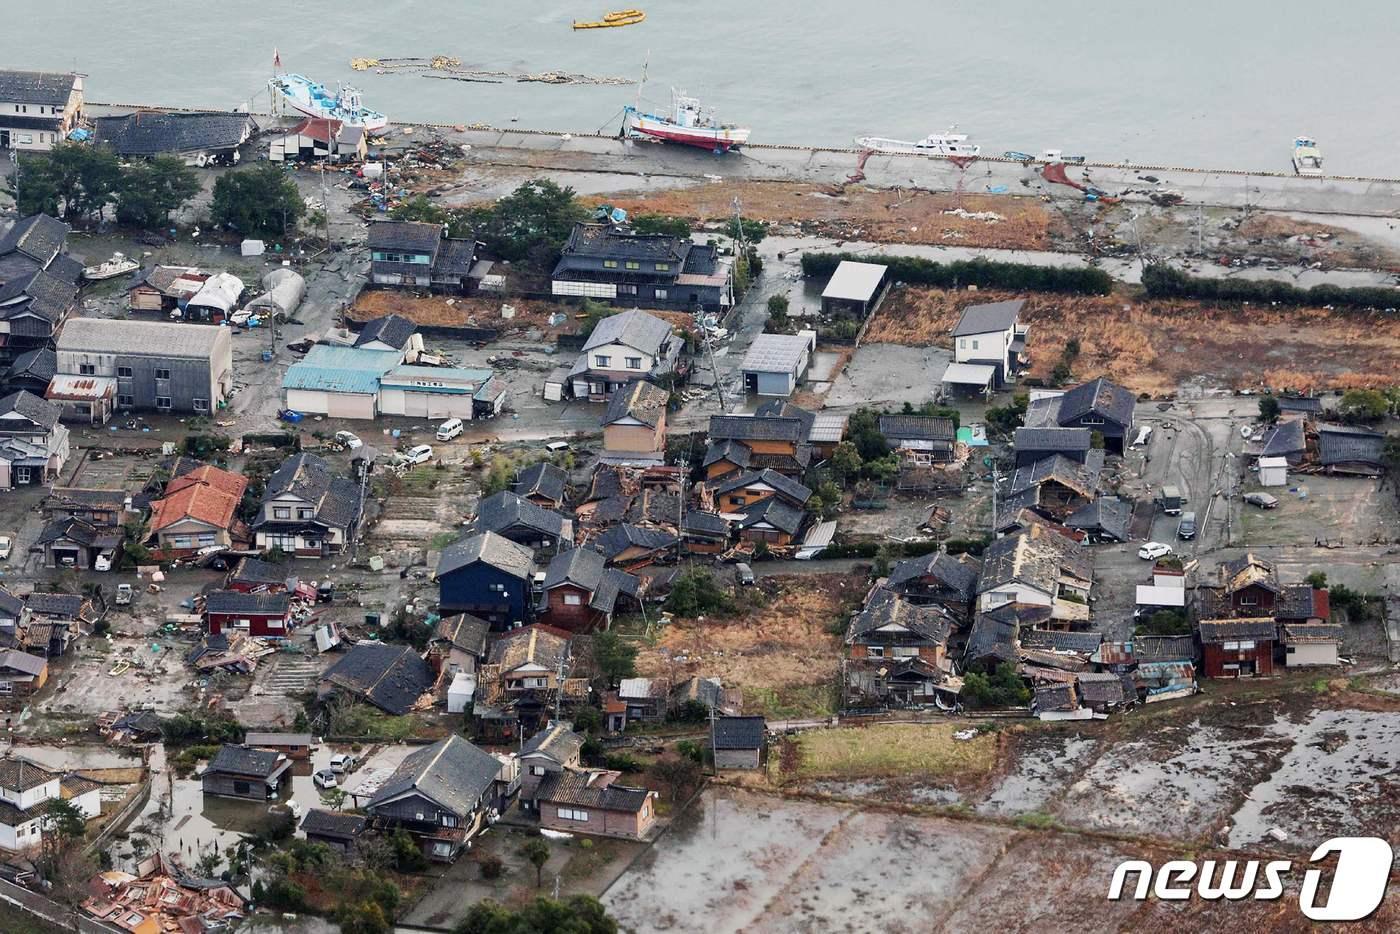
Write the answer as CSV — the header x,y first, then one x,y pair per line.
x,y
206,494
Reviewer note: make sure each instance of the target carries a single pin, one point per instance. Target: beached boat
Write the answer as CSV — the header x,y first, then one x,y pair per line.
x,y
935,144
1307,158
118,265
316,100
610,20
687,123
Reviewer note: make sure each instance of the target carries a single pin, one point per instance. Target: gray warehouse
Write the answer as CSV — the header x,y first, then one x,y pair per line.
x,y
775,363
142,366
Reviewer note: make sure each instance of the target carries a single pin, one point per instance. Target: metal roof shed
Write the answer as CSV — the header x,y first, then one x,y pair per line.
x,y
854,288
1273,471
978,376
775,362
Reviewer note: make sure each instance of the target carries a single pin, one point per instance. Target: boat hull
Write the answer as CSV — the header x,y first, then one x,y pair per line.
x,y
906,148
721,139
300,97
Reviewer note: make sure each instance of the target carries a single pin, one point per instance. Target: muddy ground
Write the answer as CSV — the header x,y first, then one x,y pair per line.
x,y
1155,347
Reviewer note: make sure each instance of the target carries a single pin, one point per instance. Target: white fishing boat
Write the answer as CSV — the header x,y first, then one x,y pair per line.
x,y
118,265
687,123
935,144
1307,158
316,100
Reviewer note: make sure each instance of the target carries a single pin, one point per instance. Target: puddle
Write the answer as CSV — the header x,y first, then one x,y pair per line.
x,y
886,791
1339,779
1045,764
69,758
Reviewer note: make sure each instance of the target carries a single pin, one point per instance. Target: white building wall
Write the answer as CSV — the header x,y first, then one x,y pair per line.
x,y
1012,593
1305,654
584,289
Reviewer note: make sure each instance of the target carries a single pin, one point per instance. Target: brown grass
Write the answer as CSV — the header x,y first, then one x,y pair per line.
x,y
857,212
434,311
1154,347
894,749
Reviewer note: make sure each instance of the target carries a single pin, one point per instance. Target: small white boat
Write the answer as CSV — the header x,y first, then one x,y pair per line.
x,y
1307,158
118,265
935,144
687,123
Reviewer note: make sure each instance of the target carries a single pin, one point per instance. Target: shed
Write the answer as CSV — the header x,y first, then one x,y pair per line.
x,y
460,692
555,384
1273,471
285,290
775,363
855,289
973,376
738,742
216,299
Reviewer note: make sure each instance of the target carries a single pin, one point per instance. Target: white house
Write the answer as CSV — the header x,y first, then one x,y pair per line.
x,y
24,790
989,346
623,347
1037,566
38,108
33,445
342,382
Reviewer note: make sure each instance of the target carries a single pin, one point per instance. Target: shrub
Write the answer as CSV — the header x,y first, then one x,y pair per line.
x,y
1161,281
491,866
621,762
1002,688
979,272
696,593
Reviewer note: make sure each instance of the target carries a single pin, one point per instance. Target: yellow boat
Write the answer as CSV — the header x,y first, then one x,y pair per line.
x,y
615,18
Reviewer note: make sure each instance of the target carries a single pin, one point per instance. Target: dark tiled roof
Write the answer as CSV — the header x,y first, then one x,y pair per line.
x,y
739,732
543,479
1057,641
1312,632
588,790
635,329
947,570
504,510
776,513
233,601
1081,478
640,400
1340,444
536,644
1108,514
66,605
392,677
787,487
1035,556
781,408
704,523
40,363
917,428
619,538
417,236
39,236
40,411
1222,630
147,133
17,774
241,760
465,632
1309,404
69,528
336,498
988,317
1301,601
1100,397
605,240
556,742
1163,648
10,604
258,571
1286,438
735,452
36,87
1057,696
492,549
582,567
752,428
885,608
1101,687
1052,439
333,823
393,330
452,773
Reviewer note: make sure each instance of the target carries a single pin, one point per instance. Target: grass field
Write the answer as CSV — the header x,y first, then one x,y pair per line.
x,y
14,921
892,750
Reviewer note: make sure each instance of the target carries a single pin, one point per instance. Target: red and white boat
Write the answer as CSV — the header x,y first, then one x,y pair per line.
x,y
687,123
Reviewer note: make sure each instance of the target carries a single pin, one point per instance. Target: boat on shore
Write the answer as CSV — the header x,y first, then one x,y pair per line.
x,y
316,100
1307,158
613,19
935,144
118,265
687,123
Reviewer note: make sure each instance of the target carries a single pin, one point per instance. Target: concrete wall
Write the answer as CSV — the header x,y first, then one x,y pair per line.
x,y
736,758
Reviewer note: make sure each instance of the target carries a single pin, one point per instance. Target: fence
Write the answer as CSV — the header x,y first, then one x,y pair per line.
x,y
122,818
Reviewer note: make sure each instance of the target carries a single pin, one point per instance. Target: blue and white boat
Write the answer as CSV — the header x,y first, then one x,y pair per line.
x,y
316,100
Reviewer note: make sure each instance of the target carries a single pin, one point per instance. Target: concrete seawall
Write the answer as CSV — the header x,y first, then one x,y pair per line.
x,y
547,150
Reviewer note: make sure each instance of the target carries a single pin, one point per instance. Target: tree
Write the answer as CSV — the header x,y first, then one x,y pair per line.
x,y
696,593
408,856
258,200
677,773
1317,580
149,192
691,711
536,851
660,224
1007,418
540,213
1364,405
616,658
38,187
753,231
419,208
362,917
83,178
588,720
64,823
778,312
863,430
1268,409
578,914
1165,623
1003,688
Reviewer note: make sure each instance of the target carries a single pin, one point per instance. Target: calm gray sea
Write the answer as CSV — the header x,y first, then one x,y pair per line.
x,y
1218,83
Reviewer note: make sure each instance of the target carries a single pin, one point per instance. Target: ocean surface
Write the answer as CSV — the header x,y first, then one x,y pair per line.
x,y
1191,82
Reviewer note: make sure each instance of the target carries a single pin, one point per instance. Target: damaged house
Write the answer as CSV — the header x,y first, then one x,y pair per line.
x,y
897,654
1041,568
739,443
1103,407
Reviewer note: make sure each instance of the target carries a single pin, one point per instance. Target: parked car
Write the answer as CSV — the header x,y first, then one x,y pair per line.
x,y
325,778
7,545
124,594
1262,500
343,762
449,429
557,447
744,575
349,439
102,562
1186,528
419,454
1154,550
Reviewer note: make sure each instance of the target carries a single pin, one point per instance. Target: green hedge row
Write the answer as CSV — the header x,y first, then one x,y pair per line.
x,y
1161,281
979,272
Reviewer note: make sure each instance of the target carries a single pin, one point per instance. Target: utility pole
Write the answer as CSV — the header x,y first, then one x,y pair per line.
x,y
719,386
326,203
1200,229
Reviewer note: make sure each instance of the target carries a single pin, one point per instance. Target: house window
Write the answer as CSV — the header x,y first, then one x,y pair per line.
x,y
875,651
736,500
87,369
626,289
281,512
572,814
633,264
163,402
126,402
660,293
962,343
609,264
200,405
905,651
242,788
124,372
274,624
1247,644
496,588
634,363
536,682
1248,598
1091,420
305,512
974,344
602,360
537,770
663,267
572,599
162,373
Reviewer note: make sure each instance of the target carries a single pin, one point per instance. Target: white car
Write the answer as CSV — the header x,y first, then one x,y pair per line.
x,y
342,762
1154,550
420,454
7,545
102,562
325,778
349,439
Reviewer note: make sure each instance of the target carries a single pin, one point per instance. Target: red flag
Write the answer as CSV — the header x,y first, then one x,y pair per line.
x,y
276,58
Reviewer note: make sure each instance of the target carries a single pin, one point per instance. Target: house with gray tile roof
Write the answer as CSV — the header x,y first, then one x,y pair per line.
x,y
488,576
989,345
391,677
244,772
613,263
199,138
624,347
511,516
38,108
415,254
543,484
307,510
1350,449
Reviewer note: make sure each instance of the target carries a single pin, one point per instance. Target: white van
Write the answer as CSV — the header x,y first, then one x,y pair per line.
x,y
449,429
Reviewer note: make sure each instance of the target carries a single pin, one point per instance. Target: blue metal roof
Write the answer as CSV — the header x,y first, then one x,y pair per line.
x,y
341,369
